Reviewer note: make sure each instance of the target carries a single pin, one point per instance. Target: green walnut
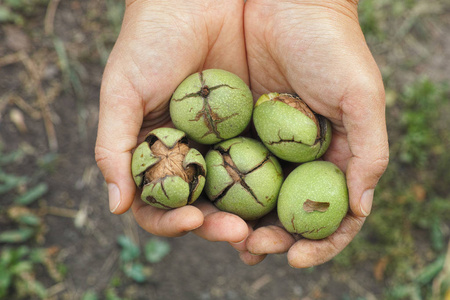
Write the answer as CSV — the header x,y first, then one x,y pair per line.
x,y
313,200
290,129
169,172
211,106
243,178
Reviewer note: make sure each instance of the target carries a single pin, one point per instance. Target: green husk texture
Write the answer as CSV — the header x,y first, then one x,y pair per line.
x,y
243,178
319,182
211,106
288,132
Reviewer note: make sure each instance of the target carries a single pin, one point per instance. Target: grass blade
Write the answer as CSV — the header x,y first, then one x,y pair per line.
x,y
16,236
32,195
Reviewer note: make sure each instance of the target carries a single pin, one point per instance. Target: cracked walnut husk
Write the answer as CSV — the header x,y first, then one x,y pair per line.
x,y
169,172
243,178
290,129
211,106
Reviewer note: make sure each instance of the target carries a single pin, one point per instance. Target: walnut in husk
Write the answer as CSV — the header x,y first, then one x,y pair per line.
x,y
290,129
211,106
313,200
243,178
169,172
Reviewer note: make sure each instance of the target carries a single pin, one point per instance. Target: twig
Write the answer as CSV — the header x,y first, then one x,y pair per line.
x,y
356,287
107,270
23,105
56,289
42,101
260,282
50,17
59,212
10,59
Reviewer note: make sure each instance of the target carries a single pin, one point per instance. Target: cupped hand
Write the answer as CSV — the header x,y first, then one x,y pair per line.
x,y
160,44
317,50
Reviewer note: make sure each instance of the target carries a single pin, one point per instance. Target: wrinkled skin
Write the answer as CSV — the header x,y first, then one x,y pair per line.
x,y
315,49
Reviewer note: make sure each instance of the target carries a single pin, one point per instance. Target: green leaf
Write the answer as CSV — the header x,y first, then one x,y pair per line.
x,y
16,236
10,256
156,250
135,271
111,294
409,291
437,237
30,287
130,250
9,158
48,162
38,255
5,281
9,182
21,267
89,295
32,195
29,219
431,271
5,15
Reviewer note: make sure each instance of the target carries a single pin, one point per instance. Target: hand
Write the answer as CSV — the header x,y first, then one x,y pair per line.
x,y
160,44
318,51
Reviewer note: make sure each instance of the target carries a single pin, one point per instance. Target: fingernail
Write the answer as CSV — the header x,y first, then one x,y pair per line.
x,y
114,197
238,243
366,202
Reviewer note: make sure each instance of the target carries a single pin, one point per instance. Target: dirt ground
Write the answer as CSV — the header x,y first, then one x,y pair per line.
x,y
78,220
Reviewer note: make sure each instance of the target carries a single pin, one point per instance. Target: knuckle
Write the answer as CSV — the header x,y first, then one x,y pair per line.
x,y
101,155
380,164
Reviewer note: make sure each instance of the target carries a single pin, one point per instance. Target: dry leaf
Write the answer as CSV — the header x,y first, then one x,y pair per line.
x,y
380,268
419,192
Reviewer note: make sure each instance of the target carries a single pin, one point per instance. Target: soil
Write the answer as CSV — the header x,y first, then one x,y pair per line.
x,y
83,229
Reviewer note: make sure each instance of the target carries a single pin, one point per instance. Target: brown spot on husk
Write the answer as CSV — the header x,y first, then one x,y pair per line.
x,y
299,105
311,206
231,168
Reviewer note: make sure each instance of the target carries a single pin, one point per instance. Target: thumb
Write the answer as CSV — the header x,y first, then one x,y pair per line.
x,y
364,120
120,119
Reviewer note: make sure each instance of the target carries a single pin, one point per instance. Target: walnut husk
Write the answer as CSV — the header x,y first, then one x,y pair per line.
x,y
300,105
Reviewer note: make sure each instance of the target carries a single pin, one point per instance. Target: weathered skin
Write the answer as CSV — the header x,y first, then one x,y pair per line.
x,y
211,106
289,129
243,178
313,200
169,172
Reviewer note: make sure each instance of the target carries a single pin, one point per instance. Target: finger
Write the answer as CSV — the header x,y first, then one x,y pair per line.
x,y
245,256
308,253
170,223
227,51
219,226
120,119
241,246
251,259
269,239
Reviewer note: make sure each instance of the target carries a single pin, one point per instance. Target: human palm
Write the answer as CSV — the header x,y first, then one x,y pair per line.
x,y
319,53
160,44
